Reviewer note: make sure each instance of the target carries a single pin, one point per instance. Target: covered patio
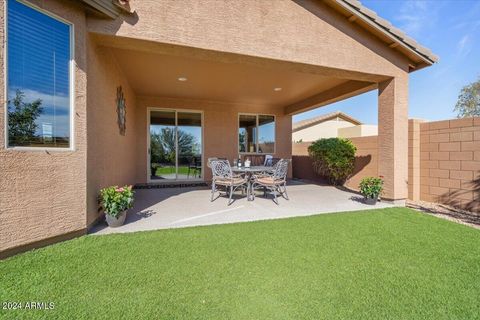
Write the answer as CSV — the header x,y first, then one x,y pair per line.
x,y
164,208
228,95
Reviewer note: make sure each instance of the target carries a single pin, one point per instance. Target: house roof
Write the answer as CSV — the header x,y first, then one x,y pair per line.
x,y
353,9
109,8
397,36
316,120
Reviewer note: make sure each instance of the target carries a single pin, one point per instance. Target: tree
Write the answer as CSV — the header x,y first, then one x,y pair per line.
x,y
22,118
162,145
468,104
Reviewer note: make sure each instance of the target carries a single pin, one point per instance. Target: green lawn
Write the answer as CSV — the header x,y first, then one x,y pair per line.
x,y
378,264
171,170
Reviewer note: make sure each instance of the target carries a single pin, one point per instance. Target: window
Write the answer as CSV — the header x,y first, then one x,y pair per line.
x,y
38,78
256,133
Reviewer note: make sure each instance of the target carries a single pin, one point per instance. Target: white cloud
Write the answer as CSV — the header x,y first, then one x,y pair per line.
x,y
59,101
464,45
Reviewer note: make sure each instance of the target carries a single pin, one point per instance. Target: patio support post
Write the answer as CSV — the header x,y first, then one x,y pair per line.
x,y
393,138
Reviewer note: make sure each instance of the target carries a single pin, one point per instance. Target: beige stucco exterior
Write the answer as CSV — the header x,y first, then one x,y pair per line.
x,y
43,194
331,126
362,130
111,158
49,194
326,129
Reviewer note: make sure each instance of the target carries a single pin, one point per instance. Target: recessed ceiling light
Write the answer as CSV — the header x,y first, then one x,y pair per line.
x,y
182,79
277,89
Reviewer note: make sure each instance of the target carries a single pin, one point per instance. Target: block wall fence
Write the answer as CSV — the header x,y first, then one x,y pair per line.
x,y
443,162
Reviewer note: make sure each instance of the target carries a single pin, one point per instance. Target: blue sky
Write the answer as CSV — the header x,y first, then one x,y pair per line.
x,y
451,29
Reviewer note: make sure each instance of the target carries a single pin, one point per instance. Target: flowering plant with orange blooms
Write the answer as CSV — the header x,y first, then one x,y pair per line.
x,y
114,200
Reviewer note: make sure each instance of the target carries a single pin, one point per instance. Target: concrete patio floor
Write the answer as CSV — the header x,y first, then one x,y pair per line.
x,y
190,206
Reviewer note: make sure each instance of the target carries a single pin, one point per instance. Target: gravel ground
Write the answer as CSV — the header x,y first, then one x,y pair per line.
x,y
446,212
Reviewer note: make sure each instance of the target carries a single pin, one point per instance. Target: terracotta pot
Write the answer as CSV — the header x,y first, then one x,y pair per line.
x,y
116,222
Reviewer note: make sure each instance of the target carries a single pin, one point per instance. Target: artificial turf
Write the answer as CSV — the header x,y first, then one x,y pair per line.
x,y
379,264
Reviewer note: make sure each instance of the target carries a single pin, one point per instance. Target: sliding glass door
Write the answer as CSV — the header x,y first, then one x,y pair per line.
x,y
175,145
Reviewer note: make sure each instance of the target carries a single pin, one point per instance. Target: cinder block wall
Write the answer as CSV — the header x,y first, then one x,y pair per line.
x,y
450,162
443,162
414,159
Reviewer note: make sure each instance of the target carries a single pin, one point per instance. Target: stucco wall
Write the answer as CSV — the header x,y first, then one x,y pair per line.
x,y
308,32
111,156
220,133
327,129
362,130
43,194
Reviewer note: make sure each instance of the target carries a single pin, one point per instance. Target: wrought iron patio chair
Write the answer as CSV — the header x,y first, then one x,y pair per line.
x,y
194,167
223,176
213,158
277,182
269,162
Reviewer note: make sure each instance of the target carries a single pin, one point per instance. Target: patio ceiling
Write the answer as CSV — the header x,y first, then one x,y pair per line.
x,y
153,70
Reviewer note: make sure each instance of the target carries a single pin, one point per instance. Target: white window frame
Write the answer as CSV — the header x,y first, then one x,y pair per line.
x,y
71,90
258,135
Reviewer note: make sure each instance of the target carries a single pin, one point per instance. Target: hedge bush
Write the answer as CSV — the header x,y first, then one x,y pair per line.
x,y
333,158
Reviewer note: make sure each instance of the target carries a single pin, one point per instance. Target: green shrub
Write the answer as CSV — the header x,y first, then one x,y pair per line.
x,y
333,158
371,187
115,200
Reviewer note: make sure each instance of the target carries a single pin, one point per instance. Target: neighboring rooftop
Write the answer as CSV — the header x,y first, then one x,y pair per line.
x,y
316,120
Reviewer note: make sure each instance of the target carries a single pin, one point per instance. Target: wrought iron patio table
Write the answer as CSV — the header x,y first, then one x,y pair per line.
x,y
249,171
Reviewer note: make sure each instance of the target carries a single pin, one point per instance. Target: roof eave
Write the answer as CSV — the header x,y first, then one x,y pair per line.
x,y
111,9
426,59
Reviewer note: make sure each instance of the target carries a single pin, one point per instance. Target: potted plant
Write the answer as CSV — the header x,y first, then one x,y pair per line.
x,y
371,188
115,201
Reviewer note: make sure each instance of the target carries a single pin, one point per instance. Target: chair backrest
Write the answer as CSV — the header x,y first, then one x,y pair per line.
x,y
275,161
272,162
209,160
213,158
281,169
268,160
221,169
